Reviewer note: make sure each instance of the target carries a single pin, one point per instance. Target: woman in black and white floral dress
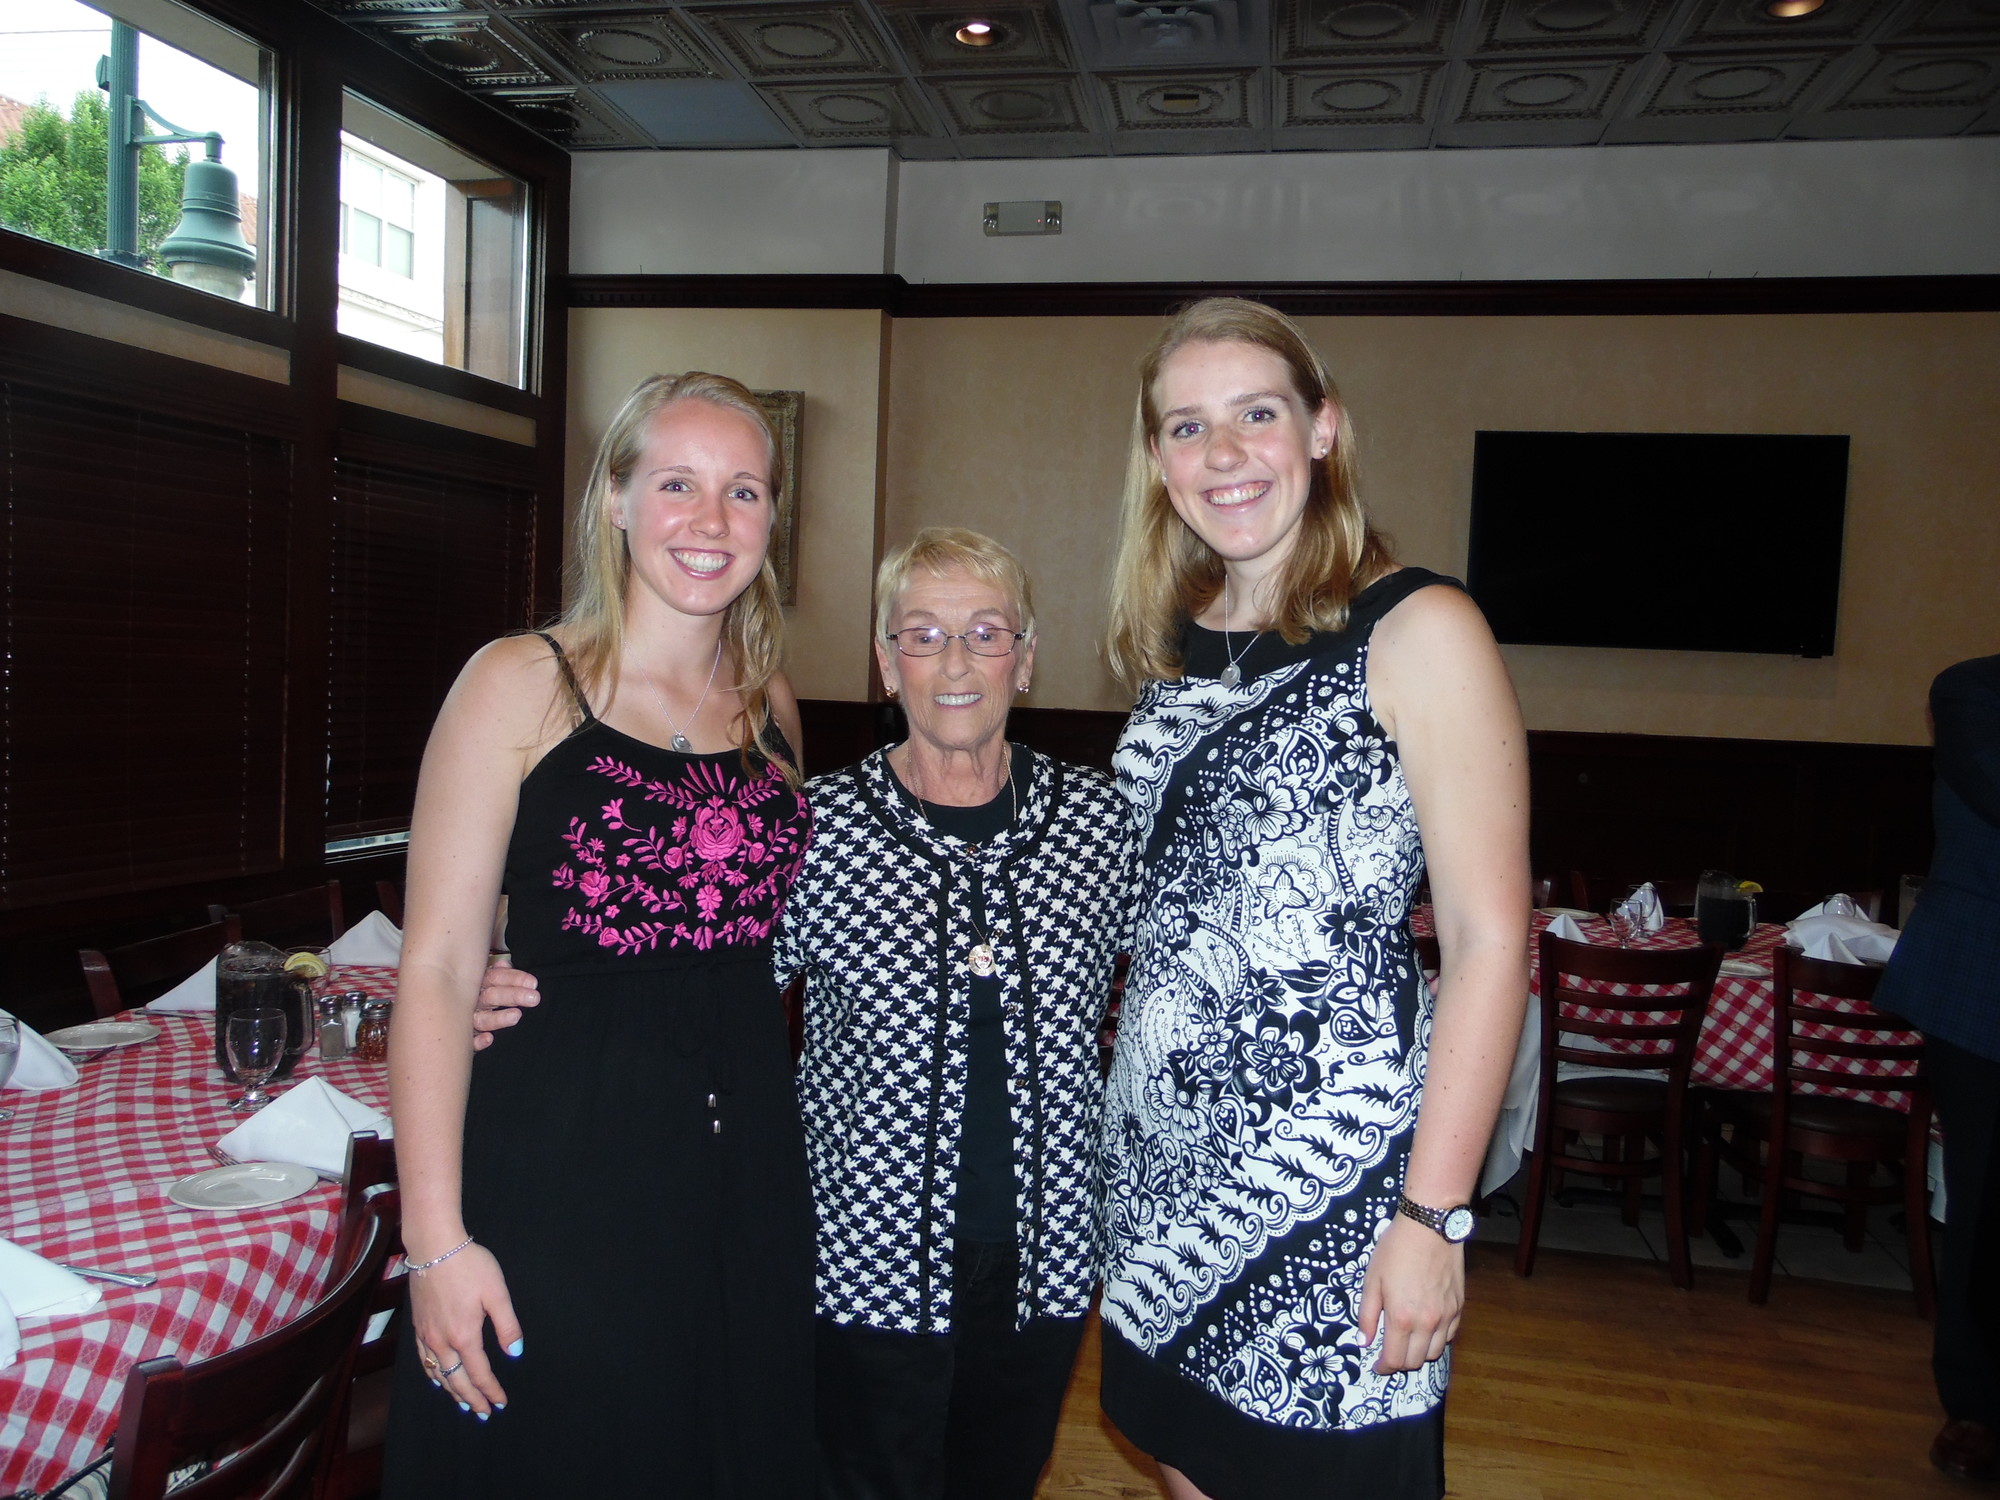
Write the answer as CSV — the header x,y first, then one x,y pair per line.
x,y
1293,1127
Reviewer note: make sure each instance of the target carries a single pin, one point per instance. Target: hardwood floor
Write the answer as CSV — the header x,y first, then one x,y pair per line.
x,y
1597,1380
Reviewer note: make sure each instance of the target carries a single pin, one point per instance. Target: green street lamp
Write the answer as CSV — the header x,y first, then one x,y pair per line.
x,y
206,249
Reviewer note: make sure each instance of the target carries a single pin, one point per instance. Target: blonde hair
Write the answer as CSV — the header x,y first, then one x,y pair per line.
x,y
1165,572
947,549
753,627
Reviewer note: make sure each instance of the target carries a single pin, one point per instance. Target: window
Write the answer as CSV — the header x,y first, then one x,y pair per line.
x,y
433,247
136,130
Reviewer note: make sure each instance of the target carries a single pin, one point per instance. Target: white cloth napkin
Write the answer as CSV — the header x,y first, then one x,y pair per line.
x,y
1848,940
1840,904
196,992
1565,927
39,1065
373,940
36,1288
308,1124
10,1334
1645,902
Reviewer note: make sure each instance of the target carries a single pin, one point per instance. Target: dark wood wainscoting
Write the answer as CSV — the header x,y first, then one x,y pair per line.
x,y
1792,814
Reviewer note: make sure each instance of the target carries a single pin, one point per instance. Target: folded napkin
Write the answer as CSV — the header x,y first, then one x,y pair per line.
x,y
308,1124
40,1065
1840,904
36,1288
1565,927
1644,903
10,1334
196,992
1848,940
373,940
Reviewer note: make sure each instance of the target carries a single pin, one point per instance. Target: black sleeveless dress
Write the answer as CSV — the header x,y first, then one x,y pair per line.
x,y
633,1152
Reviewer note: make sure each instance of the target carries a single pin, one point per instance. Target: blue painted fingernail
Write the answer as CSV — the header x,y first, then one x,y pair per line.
x,y
499,1405
465,1406
514,1349
484,1415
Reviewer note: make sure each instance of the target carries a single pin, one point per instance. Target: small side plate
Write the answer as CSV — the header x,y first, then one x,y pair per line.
x,y
250,1184
1577,912
95,1036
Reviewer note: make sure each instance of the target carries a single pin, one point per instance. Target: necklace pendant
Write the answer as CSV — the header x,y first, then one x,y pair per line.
x,y
980,960
682,743
1231,675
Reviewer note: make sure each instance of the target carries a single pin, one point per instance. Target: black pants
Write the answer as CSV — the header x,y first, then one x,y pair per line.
x,y
1964,1358
965,1415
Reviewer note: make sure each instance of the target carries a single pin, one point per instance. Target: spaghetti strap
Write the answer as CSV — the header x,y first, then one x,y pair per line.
x,y
585,718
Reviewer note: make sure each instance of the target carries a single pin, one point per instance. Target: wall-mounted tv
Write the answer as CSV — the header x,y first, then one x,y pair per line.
x,y
1664,541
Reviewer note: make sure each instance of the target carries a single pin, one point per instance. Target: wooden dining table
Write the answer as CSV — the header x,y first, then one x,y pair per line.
x,y
84,1173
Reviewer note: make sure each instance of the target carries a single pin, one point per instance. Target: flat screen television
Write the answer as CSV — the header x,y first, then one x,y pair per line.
x,y
1663,541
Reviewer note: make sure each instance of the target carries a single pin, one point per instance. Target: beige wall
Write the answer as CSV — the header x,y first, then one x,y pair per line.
x,y
1018,427
837,359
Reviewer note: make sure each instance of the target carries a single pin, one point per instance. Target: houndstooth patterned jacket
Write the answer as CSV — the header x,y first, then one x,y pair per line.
x,y
877,921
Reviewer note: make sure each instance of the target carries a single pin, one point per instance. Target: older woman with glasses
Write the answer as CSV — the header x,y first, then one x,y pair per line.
x,y
960,911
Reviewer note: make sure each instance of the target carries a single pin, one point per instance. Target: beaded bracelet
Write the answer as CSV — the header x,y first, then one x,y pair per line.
x,y
420,1266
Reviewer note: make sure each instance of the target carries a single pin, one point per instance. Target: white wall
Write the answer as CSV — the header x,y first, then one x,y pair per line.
x,y
731,213
1790,208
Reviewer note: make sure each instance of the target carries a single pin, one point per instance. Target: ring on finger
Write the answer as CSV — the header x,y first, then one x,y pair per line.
x,y
447,1374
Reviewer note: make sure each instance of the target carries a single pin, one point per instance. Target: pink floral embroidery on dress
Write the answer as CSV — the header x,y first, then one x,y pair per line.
x,y
714,876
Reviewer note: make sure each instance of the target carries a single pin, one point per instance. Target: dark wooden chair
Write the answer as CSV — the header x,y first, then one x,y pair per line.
x,y
1768,1136
267,1414
119,978
357,1462
1430,958
1626,1112
389,897
314,916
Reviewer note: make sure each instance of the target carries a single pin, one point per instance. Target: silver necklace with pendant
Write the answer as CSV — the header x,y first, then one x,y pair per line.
x,y
679,740
1232,674
980,959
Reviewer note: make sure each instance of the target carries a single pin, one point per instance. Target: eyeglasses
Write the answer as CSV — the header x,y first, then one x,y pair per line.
x,y
980,640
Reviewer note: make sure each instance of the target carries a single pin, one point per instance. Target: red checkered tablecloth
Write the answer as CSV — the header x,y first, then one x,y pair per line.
x,y
84,1173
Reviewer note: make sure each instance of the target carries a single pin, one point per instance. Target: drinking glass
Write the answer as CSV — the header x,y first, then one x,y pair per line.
x,y
256,1043
10,1050
1625,924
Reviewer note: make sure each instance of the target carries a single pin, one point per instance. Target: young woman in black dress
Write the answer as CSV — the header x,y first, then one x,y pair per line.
x,y
609,1222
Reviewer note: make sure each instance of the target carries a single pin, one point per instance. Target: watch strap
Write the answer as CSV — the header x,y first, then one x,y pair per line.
x,y
1430,1218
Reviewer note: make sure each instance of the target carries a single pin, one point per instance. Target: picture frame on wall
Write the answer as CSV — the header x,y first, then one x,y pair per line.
x,y
783,408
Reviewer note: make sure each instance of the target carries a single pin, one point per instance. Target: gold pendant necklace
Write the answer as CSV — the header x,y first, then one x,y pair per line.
x,y
980,957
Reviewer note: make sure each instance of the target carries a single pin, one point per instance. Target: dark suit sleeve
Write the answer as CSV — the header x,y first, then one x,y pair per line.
x,y
1965,708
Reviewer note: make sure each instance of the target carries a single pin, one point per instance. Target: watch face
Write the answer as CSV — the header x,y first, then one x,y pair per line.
x,y
1458,1225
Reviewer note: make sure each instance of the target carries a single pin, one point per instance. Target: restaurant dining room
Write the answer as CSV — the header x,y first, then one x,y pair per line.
x,y
1215,749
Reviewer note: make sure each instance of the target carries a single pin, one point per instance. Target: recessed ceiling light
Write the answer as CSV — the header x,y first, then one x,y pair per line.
x,y
976,34
1791,10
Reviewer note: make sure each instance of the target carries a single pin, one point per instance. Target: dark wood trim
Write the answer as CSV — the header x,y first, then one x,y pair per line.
x,y
394,364
374,435
881,293
28,256
81,364
893,295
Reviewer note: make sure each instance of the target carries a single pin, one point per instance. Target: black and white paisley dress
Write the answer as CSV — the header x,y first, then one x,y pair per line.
x,y
1270,1063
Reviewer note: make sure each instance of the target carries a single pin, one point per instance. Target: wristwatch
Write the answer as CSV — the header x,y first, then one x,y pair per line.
x,y
1455,1224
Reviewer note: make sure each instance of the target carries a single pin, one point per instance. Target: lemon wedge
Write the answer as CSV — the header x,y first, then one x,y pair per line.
x,y
1749,888
309,964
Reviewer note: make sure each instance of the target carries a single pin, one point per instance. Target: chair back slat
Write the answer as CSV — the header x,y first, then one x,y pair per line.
x,y
1661,1023
271,1408
133,973
1879,1047
315,915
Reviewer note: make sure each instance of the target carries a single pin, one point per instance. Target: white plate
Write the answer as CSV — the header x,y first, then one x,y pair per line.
x,y
1566,911
250,1184
1745,968
93,1036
